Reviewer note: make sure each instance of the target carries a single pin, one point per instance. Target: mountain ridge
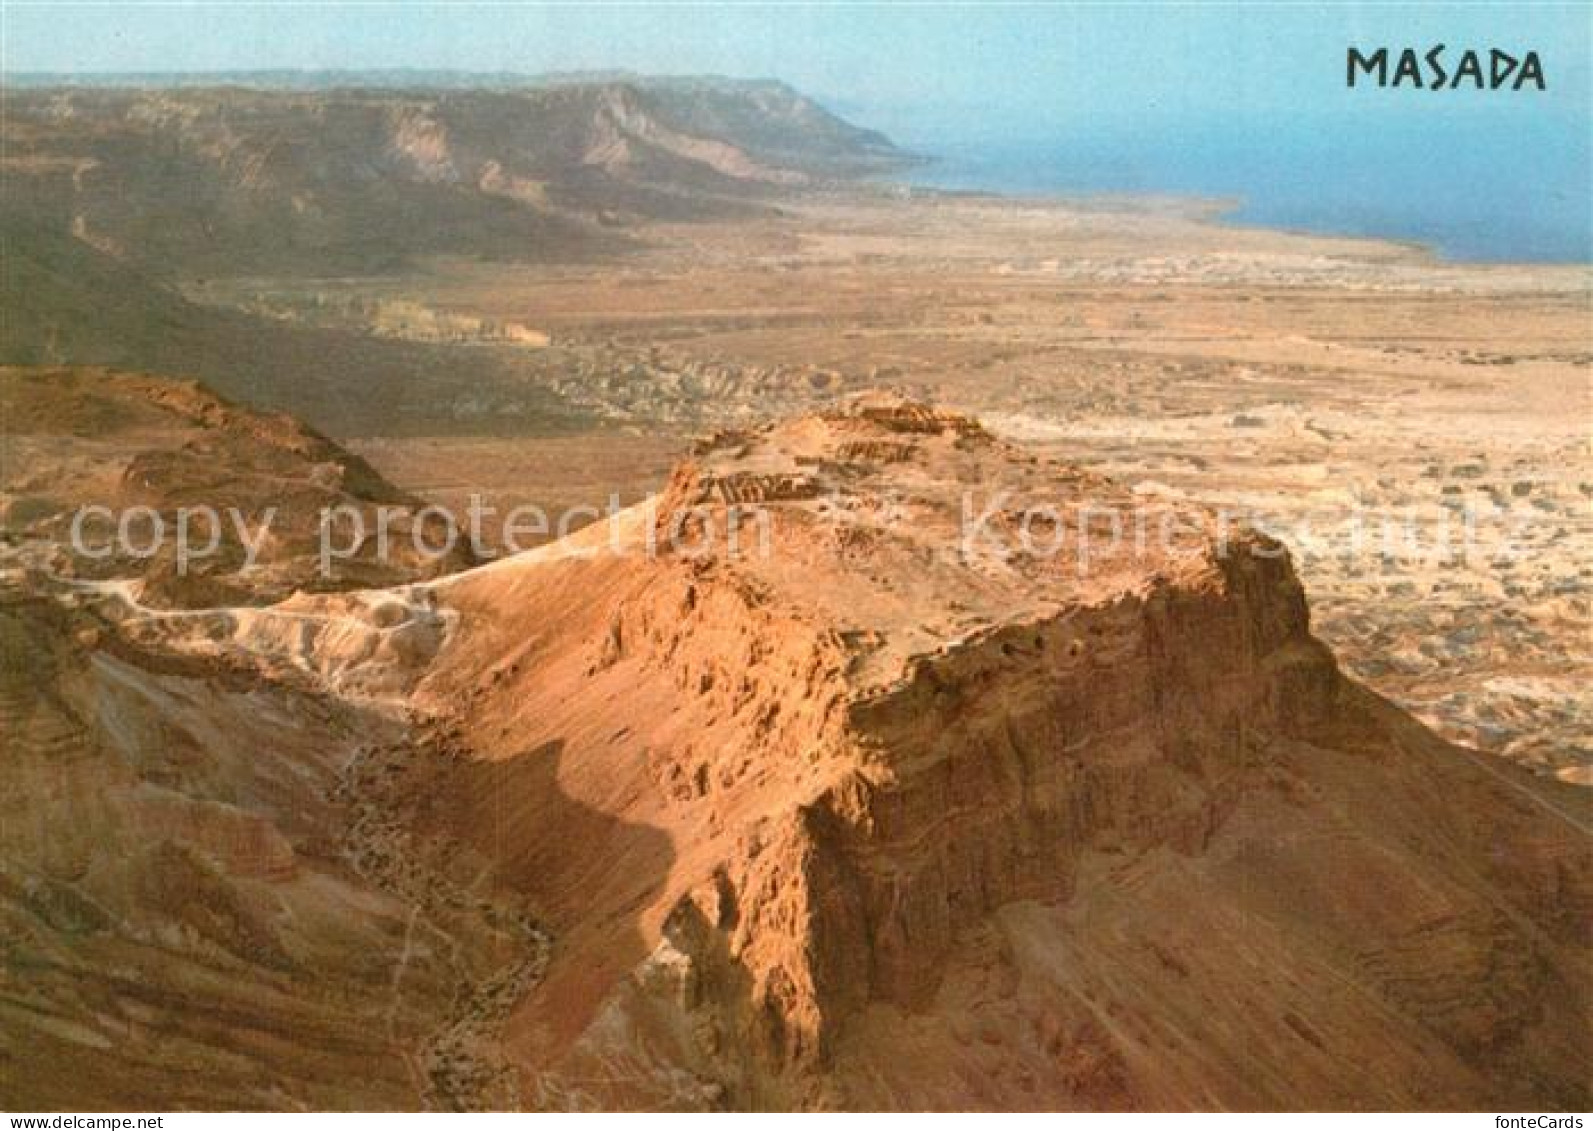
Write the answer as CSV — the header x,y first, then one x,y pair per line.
x,y
230,180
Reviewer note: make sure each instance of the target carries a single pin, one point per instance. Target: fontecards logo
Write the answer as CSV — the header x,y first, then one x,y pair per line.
x,y
1438,68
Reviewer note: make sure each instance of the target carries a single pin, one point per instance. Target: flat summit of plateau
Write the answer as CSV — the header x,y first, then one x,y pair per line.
x,y
913,531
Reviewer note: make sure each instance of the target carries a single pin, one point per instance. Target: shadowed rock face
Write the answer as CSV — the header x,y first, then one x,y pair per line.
x,y
861,808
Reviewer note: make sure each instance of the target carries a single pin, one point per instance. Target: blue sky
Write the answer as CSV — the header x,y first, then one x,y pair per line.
x,y
1055,64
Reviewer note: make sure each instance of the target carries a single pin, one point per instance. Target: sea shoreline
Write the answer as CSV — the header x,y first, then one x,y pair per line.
x,y
1229,209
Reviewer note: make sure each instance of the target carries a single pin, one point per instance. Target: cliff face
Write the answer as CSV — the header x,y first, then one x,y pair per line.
x,y
873,779
1125,725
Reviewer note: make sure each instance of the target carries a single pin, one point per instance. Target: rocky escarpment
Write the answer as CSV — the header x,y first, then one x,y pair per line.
x,y
991,768
819,768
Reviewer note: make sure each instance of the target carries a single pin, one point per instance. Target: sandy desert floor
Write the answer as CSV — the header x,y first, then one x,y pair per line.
x,y
1416,431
